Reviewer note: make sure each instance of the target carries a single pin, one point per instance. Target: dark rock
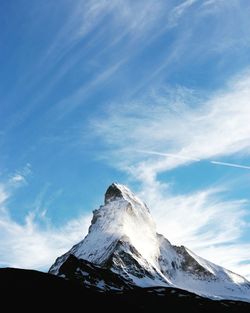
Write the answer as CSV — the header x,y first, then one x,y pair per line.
x,y
33,291
88,274
112,192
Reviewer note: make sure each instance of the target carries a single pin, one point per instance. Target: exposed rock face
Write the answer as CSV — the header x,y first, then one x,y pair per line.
x,y
112,193
123,238
91,276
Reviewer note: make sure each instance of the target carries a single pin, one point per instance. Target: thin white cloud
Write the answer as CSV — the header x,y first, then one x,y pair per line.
x,y
204,222
216,127
126,17
139,23
134,17
17,178
179,10
233,256
3,195
77,98
177,156
130,19
189,158
32,244
20,176
199,219
134,20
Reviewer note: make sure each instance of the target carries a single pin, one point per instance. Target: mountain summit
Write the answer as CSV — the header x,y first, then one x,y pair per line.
x,y
122,239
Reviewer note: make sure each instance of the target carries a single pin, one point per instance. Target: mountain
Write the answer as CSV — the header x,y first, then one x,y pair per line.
x,y
32,291
122,240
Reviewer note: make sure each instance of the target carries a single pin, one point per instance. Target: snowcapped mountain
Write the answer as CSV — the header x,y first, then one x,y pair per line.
x,y
122,239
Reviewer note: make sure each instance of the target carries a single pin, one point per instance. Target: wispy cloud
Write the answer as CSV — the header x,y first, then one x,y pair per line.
x,y
123,18
203,221
200,219
180,124
17,178
179,10
77,98
135,21
232,256
31,246
35,243
176,156
20,176
92,28
189,158
3,196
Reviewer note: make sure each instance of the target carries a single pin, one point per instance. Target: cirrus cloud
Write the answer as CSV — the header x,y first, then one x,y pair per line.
x,y
33,244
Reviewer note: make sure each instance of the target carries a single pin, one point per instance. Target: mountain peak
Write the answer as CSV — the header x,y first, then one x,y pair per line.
x,y
117,192
122,218
114,191
123,238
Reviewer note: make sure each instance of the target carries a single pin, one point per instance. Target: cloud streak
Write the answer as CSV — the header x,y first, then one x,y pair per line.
x,y
188,158
230,164
177,156
180,123
199,219
179,10
35,243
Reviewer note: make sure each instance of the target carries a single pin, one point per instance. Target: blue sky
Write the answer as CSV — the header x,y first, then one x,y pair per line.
x,y
152,94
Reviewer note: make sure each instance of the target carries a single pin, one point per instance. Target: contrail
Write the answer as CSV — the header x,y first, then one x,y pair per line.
x,y
182,157
176,156
230,164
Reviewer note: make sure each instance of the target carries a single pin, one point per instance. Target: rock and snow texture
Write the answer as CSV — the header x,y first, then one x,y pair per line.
x,y
123,238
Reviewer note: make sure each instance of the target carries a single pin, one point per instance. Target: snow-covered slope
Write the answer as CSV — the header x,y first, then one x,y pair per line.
x,y
123,238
